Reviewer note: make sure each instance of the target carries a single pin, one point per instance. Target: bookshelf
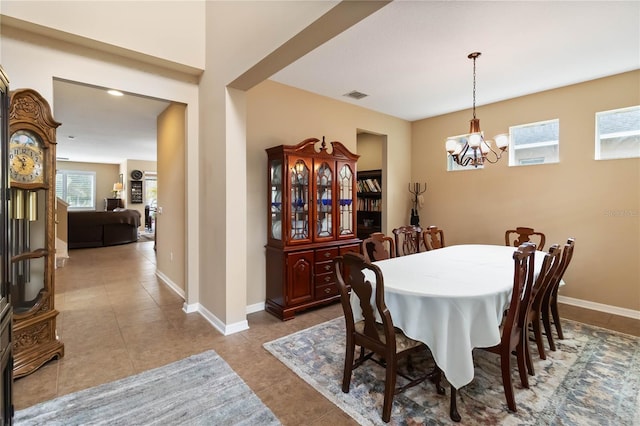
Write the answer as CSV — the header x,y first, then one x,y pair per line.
x,y
369,213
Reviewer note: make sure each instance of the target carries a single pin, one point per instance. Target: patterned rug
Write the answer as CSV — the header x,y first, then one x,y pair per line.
x,y
593,378
199,390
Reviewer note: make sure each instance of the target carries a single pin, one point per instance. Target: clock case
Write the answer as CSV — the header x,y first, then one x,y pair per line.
x,y
32,241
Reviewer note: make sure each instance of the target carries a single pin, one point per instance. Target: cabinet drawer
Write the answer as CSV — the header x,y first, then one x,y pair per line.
x,y
324,279
322,255
324,267
327,291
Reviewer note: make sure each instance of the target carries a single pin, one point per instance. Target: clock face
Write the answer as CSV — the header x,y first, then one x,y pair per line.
x,y
26,158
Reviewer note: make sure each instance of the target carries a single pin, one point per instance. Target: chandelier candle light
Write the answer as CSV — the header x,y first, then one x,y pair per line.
x,y
481,150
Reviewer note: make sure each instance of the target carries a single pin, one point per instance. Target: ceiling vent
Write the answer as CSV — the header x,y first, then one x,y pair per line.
x,y
356,95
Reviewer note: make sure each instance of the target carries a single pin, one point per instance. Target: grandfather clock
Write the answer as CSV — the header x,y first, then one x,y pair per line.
x,y
32,153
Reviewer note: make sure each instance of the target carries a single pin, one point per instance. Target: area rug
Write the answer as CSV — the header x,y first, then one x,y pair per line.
x,y
593,378
199,390
146,236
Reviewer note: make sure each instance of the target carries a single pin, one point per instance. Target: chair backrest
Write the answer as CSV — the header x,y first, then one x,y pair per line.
x,y
433,238
535,293
378,247
408,239
522,234
350,271
567,255
524,267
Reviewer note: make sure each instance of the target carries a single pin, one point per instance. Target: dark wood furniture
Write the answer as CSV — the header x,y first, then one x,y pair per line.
x,y
433,238
550,298
408,239
532,310
6,309
378,336
369,202
32,134
378,247
521,235
113,203
311,220
512,339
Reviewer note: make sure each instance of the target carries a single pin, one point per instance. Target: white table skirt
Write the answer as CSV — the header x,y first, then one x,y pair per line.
x,y
452,299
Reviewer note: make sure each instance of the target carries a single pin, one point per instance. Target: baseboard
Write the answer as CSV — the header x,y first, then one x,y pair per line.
x,y
225,329
614,310
256,307
173,286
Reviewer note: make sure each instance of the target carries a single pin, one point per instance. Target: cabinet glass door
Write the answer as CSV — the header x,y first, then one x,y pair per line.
x,y
299,198
324,197
345,190
275,177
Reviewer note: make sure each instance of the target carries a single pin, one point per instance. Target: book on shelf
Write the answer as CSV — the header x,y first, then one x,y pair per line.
x,y
369,205
369,185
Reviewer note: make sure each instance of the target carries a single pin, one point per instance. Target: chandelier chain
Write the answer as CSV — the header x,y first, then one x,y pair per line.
x,y
474,87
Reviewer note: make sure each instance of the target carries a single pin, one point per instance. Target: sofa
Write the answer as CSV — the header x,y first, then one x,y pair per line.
x,y
98,229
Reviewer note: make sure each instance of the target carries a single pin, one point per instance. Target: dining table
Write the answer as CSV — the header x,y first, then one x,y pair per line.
x,y
453,300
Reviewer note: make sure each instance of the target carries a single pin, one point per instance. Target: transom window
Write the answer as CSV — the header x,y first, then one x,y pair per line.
x,y
77,188
534,143
618,133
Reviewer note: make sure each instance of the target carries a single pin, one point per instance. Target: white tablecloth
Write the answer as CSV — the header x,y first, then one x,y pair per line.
x,y
452,299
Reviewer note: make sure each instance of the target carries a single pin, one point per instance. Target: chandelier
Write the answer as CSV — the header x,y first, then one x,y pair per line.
x,y
473,149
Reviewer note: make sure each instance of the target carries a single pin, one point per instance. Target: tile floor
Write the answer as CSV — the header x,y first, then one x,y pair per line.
x,y
117,319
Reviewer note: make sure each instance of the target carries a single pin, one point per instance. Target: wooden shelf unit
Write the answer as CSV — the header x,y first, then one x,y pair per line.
x,y
369,203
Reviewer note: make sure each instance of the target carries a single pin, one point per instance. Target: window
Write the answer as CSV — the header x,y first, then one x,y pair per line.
x,y
618,133
534,143
151,189
77,188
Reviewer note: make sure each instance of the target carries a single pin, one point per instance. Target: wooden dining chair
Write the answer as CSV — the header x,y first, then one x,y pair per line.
x,y
433,238
375,337
522,234
408,239
511,328
378,246
531,311
550,298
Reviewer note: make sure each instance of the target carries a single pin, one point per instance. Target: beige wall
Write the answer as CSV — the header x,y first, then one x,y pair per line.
x,y
95,20
597,202
279,114
170,224
106,176
370,149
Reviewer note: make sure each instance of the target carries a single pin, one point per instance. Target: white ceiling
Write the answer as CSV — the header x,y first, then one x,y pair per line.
x,y
410,57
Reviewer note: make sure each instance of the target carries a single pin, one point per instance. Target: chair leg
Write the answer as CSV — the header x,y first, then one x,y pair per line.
x,y
389,389
348,365
556,317
527,353
505,365
547,328
522,352
453,406
537,332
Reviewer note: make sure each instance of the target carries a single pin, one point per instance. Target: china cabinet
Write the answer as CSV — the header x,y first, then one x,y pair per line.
x,y
32,153
311,220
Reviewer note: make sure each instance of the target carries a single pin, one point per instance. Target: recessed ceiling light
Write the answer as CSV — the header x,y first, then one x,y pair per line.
x,y
115,92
